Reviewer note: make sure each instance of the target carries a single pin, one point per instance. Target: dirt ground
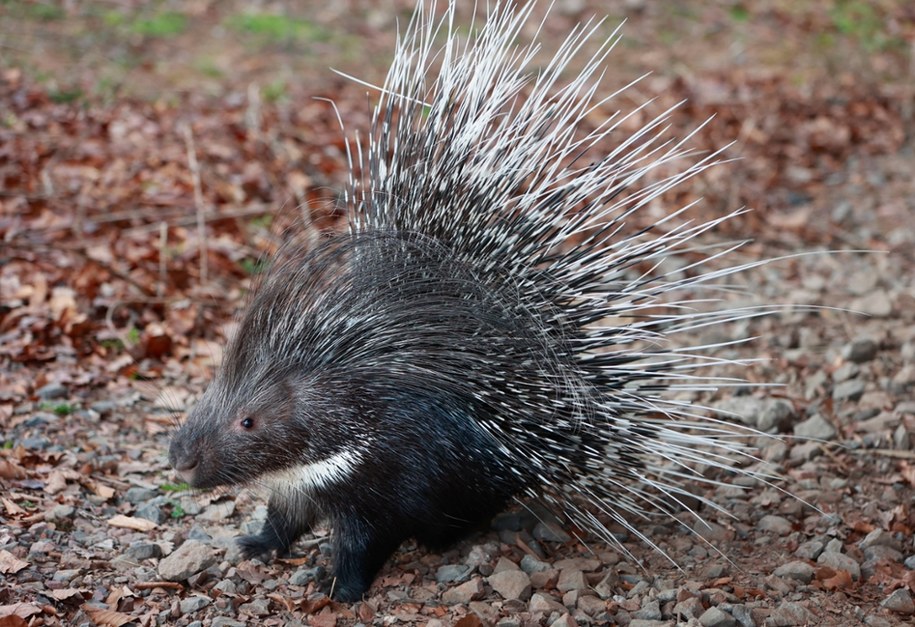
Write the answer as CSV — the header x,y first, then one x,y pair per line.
x,y
151,152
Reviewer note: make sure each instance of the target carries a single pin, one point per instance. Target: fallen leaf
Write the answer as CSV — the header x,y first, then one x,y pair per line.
x,y
66,593
22,610
56,483
11,470
102,490
106,617
12,508
10,564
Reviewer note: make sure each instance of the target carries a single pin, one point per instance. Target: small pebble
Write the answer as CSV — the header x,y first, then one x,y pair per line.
x,y
900,601
860,350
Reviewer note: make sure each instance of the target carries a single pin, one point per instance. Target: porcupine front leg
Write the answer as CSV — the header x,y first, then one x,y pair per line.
x,y
288,517
360,550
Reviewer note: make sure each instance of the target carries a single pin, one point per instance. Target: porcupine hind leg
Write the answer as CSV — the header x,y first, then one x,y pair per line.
x,y
288,517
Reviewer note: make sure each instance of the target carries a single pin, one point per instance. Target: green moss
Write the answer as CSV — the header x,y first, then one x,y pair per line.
x,y
278,28
167,24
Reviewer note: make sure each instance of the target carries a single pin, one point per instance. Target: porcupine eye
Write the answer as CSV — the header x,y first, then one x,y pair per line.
x,y
247,423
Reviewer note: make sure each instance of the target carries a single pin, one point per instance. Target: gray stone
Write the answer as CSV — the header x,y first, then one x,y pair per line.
x,y
766,414
840,561
151,511
464,593
550,533
900,602
103,407
650,610
137,495
776,524
143,551
790,614
511,584
302,576
850,390
531,564
226,586
571,579
880,537
453,572
258,606
860,350
65,575
690,607
713,617
188,559
800,571
51,391
586,564
217,512
815,428
877,304
193,604
544,603
60,512
225,621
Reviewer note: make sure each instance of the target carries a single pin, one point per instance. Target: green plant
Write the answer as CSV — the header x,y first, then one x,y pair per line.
x,y
61,409
177,510
174,487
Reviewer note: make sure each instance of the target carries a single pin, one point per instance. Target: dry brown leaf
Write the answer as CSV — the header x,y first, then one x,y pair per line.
x,y
12,508
22,610
131,522
65,594
106,617
55,483
11,470
10,564
117,594
908,473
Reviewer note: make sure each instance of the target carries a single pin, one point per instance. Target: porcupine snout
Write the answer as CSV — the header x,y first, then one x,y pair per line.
x,y
182,457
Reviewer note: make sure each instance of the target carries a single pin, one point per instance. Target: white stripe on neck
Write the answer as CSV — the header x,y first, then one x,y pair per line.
x,y
318,474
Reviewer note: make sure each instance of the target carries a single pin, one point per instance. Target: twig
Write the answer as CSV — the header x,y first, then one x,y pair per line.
x,y
198,200
149,585
163,251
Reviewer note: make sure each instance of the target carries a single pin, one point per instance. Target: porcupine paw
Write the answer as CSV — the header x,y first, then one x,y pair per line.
x,y
260,546
345,594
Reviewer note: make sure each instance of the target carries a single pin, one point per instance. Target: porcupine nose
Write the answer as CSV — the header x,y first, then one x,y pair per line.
x,y
182,460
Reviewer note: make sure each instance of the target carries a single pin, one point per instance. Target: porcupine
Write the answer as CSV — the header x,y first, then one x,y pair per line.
x,y
488,328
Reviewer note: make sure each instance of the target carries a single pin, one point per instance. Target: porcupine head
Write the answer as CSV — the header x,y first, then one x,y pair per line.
x,y
490,326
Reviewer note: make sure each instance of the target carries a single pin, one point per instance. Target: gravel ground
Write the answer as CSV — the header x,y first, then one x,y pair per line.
x,y
92,531
828,544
